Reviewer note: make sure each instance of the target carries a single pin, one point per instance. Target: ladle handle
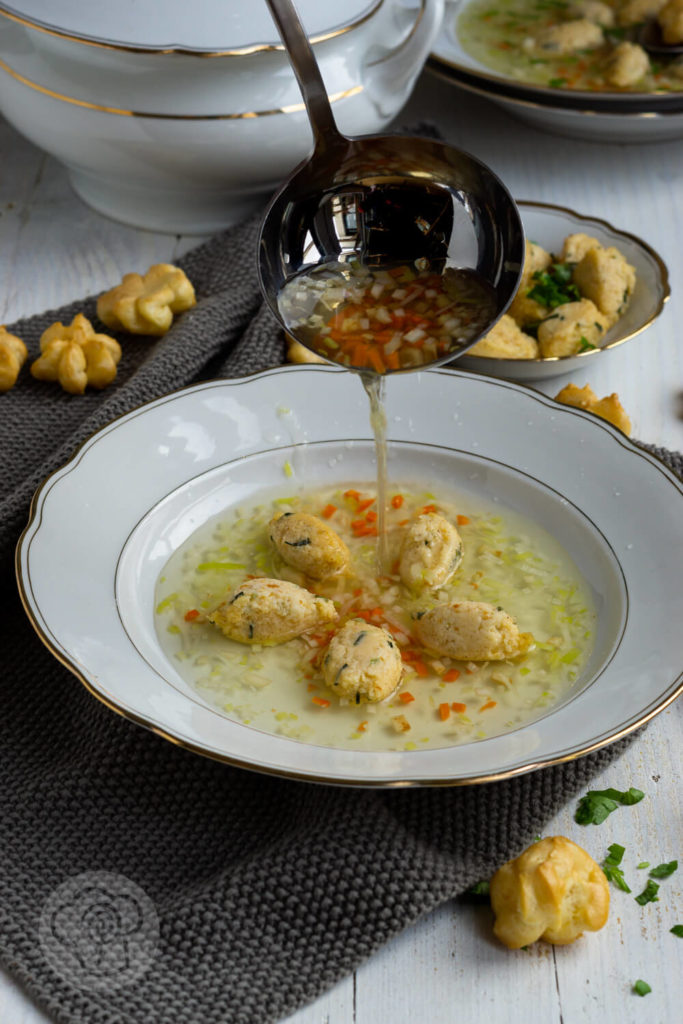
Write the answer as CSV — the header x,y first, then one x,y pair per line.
x,y
305,66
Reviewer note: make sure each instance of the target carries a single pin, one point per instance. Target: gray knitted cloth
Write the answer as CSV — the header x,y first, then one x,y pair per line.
x,y
143,884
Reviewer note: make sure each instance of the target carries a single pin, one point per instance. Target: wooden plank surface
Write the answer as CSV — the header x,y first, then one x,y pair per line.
x,y
449,967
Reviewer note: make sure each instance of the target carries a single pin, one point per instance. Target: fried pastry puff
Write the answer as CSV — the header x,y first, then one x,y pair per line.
x,y
553,891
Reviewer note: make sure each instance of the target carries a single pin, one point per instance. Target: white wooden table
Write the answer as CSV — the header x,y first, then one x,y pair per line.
x,y
449,967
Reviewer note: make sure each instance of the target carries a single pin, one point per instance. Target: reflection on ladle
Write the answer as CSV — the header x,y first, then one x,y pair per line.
x,y
384,253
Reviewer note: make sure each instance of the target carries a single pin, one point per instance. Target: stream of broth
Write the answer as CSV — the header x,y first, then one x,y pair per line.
x,y
374,385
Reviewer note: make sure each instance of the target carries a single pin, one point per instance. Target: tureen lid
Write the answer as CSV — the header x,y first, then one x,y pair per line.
x,y
207,26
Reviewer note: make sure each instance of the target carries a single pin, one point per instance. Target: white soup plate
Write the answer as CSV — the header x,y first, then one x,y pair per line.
x,y
103,526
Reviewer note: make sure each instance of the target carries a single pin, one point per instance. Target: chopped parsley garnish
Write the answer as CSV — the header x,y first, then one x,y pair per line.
x,y
598,804
585,345
610,866
641,987
677,930
553,287
649,894
664,870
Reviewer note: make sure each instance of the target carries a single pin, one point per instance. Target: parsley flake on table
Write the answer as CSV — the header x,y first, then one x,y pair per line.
x,y
664,870
649,894
479,889
677,930
610,866
596,805
641,987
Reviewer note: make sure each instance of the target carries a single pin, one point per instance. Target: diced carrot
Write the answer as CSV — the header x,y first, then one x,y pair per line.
x,y
457,706
462,520
370,614
375,360
392,361
191,615
419,667
371,517
429,508
406,698
444,711
397,501
488,705
362,726
363,529
358,591
322,702
329,511
451,675
352,494
362,505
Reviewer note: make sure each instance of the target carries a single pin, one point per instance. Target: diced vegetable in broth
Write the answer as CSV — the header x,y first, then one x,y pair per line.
x,y
507,562
386,319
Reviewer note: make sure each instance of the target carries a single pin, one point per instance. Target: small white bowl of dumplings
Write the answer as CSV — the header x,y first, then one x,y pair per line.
x,y
586,288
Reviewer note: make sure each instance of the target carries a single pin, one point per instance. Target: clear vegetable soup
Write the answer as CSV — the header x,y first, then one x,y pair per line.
x,y
537,42
507,562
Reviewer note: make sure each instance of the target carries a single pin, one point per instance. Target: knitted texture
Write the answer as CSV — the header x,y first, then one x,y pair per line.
x,y
267,891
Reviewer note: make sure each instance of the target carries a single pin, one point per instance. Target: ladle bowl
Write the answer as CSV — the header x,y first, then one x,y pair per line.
x,y
384,200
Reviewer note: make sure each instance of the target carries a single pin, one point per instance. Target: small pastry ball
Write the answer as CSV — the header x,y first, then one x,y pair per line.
x,y
309,545
609,407
431,551
553,891
472,631
362,663
266,611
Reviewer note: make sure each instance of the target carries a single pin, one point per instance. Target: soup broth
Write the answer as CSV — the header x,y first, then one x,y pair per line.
x,y
508,561
498,35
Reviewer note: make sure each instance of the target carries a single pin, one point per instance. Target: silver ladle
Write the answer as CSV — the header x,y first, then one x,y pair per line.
x,y
651,39
382,201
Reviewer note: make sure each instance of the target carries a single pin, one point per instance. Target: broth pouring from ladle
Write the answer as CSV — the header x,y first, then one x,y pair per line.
x,y
384,253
